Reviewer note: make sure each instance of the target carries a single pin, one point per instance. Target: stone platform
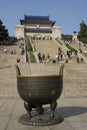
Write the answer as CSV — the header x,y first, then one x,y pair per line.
x,y
73,111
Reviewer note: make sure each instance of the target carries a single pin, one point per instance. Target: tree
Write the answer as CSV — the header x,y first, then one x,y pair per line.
x,y
3,32
74,32
82,34
66,37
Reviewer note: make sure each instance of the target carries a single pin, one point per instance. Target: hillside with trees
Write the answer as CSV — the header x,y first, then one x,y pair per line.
x,y
66,37
82,34
3,32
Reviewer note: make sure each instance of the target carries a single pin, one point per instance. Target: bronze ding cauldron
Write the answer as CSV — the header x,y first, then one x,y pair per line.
x,y
38,90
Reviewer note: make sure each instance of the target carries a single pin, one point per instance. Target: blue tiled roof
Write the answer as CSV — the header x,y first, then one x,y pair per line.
x,y
37,19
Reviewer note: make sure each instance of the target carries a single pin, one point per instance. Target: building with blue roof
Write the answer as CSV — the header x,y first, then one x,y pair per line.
x,y
37,27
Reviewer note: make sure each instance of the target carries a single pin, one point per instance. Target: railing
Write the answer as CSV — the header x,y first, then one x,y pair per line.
x,y
26,56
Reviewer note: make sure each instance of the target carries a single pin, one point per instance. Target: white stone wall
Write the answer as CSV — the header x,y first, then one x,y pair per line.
x,y
19,31
42,34
37,26
56,32
75,37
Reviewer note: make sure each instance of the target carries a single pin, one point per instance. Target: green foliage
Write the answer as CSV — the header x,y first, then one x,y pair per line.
x,y
66,37
58,41
30,50
3,32
28,46
71,48
32,57
82,34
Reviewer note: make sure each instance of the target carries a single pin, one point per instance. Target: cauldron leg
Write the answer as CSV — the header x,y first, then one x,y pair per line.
x,y
28,107
40,109
53,107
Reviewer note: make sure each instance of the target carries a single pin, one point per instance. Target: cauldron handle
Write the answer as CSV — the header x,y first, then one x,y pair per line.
x,y
17,70
61,70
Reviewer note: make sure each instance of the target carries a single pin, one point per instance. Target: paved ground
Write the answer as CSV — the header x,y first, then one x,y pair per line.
x,y
73,110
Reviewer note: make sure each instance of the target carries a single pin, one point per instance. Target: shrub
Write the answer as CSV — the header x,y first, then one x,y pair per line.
x,y
30,51
71,48
32,57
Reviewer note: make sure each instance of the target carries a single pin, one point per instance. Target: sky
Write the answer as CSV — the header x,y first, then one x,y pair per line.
x,y
68,14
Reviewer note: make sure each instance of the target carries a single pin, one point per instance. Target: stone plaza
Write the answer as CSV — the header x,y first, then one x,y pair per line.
x,y
72,105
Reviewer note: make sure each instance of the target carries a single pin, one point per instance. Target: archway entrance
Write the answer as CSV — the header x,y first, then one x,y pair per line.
x,y
38,36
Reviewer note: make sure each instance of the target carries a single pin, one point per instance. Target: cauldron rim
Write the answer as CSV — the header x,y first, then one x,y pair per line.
x,y
38,76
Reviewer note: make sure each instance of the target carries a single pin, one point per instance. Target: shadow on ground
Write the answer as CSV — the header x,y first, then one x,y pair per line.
x,y
71,111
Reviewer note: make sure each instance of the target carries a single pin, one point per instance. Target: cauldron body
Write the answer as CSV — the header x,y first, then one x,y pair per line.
x,y
43,89
38,90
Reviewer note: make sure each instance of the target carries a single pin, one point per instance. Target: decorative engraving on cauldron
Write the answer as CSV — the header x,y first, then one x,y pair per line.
x,y
39,90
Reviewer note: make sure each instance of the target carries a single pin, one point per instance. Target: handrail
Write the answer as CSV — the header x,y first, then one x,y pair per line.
x,y
17,70
61,70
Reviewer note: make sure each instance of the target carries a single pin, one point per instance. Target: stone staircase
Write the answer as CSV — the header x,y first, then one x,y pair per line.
x,y
51,47
46,46
75,75
8,83
75,80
